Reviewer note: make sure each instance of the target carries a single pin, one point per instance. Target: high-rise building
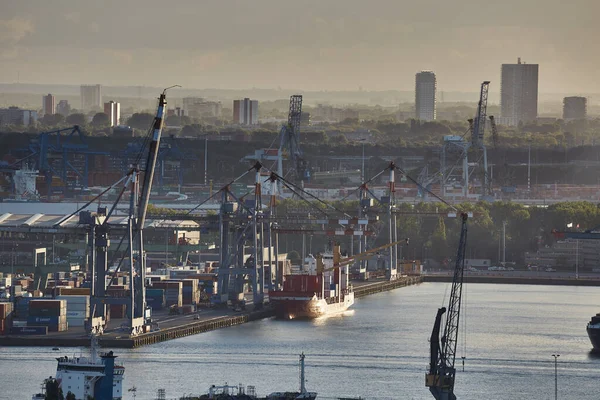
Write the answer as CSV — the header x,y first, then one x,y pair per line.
x,y
425,88
113,110
63,107
245,112
91,96
48,104
574,108
519,93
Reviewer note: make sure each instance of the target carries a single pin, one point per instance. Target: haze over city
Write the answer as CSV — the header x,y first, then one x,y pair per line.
x,y
308,45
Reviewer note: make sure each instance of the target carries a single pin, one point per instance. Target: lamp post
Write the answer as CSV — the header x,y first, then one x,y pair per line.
x,y
555,375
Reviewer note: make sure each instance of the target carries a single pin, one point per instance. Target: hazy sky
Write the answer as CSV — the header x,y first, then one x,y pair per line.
x,y
305,44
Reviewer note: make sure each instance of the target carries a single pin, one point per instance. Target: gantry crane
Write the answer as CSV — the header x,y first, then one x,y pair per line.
x,y
440,378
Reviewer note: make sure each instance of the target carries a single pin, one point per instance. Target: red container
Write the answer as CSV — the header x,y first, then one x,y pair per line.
x,y
118,311
302,283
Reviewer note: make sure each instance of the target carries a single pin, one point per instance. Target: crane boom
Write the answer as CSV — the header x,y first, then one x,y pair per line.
x,y
338,262
289,141
479,121
440,378
151,161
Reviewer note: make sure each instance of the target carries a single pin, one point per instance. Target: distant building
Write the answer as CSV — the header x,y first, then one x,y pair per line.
x,y
113,110
519,92
333,114
91,97
245,112
48,104
177,111
425,91
17,116
63,107
574,108
198,107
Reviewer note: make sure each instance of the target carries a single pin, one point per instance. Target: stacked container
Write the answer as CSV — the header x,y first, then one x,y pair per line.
x,y
22,308
190,293
118,311
155,298
173,292
78,309
50,313
5,317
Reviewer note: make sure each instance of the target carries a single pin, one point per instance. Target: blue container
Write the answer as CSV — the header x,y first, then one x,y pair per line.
x,y
155,292
33,320
29,330
332,286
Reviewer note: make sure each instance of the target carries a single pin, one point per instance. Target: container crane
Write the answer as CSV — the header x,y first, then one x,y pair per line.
x,y
440,378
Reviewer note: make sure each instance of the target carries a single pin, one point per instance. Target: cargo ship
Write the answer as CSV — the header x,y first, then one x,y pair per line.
x,y
94,377
321,288
240,392
593,330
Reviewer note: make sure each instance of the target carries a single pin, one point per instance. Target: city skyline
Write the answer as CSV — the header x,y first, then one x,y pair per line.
x,y
325,48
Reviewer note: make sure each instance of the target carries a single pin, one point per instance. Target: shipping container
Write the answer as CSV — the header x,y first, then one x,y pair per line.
x,y
29,330
5,309
33,320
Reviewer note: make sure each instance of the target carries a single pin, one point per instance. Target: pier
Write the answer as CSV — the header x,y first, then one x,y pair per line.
x,y
183,325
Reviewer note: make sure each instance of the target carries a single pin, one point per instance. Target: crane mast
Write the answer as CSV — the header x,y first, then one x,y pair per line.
x,y
440,378
479,121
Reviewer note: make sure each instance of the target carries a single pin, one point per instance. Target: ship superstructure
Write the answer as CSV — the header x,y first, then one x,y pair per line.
x,y
97,376
593,330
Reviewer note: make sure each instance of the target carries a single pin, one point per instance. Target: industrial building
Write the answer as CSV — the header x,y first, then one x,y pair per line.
x,y
574,107
48,104
91,96
425,96
519,93
113,110
245,112
17,116
198,107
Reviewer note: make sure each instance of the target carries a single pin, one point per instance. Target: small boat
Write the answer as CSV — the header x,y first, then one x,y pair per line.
x,y
55,349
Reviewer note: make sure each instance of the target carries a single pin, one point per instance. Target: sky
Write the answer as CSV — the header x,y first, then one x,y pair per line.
x,y
306,45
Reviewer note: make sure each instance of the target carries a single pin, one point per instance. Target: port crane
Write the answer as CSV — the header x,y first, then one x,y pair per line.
x,y
441,374
289,142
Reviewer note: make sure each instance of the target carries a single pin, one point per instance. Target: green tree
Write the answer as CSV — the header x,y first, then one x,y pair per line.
x,y
70,396
100,120
141,121
52,119
77,119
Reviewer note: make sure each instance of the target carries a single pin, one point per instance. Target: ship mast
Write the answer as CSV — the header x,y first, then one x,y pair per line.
x,y
302,379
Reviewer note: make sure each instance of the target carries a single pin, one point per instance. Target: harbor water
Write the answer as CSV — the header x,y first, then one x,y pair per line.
x,y
379,350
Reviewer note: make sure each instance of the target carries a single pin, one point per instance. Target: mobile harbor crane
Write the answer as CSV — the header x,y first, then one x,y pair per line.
x,y
440,378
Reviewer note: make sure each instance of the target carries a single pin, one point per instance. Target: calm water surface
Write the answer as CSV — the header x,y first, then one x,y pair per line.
x,y
377,351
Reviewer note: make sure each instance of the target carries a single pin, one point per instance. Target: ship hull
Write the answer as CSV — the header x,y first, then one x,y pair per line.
x,y
298,306
594,335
